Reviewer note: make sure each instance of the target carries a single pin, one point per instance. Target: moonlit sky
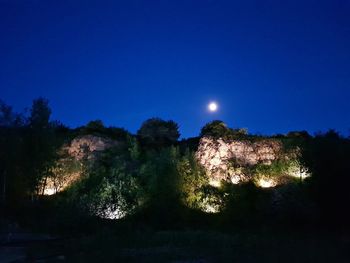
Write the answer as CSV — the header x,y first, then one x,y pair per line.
x,y
272,66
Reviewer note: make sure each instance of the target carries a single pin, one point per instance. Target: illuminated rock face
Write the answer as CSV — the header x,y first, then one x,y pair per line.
x,y
68,168
224,160
88,146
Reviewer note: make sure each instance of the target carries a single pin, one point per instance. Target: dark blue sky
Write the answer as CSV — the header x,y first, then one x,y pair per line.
x,y
272,66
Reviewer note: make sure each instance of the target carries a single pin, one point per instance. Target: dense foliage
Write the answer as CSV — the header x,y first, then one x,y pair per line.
x,y
219,129
157,133
153,176
28,149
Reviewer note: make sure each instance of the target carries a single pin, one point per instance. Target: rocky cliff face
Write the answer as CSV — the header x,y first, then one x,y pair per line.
x,y
69,167
88,147
227,160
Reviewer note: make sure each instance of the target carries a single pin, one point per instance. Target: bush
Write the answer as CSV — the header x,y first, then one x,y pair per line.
x,y
218,129
97,128
192,181
110,188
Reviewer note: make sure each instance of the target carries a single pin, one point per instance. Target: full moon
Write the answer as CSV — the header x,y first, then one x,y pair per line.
x,y
212,106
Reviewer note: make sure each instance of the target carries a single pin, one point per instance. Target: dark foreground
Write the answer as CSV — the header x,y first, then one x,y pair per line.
x,y
145,245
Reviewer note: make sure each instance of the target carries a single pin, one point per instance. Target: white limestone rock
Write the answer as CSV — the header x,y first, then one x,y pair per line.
x,y
224,160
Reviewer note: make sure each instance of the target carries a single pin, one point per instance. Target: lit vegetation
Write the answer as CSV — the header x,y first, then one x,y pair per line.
x,y
154,181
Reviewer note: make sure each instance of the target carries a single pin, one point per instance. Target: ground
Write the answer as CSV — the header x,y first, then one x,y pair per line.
x,y
145,245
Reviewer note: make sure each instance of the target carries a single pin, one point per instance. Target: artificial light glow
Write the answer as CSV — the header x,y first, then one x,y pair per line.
x,y
213,106
266,183
210,206
301,173
215,183
211,209
235,179
49,191
112,213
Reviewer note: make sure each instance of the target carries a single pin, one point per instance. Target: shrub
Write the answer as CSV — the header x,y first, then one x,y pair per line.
x,y
218,129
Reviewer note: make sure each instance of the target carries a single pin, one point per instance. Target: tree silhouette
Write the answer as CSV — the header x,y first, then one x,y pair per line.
x,y
157,133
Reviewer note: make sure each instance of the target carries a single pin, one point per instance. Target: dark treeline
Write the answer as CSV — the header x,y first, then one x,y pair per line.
x,y
156,176
28,148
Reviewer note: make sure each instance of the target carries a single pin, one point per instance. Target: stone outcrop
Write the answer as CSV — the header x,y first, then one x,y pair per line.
x,y
88,146
68,168
224,160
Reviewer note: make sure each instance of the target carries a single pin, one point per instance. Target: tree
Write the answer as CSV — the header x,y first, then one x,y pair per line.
x,y
93,127
40,113
41,142
8,118
328,158
10,151
218,129
160,178
97,128
192,181
215,129
299,134
157,133
109,187
6,114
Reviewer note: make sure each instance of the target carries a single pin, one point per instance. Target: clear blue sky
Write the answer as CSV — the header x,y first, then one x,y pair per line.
x,y
273,66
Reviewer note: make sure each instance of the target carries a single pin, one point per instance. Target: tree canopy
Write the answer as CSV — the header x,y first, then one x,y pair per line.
x,y
156,133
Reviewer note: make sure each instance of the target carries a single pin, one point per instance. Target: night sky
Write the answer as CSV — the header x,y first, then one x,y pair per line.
x,y
272,66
